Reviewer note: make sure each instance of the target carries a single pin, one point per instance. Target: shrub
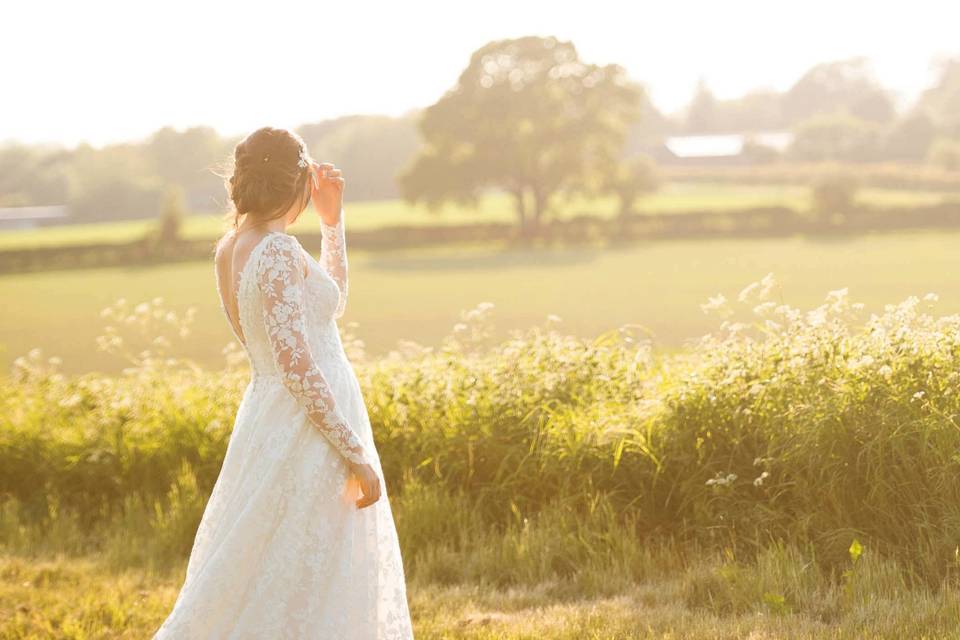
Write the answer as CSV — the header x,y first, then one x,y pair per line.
x,y
833,193
814,428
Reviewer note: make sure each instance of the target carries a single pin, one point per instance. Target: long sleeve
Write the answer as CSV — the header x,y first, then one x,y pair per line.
x,y
280,278
333,258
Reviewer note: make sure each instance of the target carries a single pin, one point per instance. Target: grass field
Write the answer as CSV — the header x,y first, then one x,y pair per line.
x,y
78,599
672,197
418,295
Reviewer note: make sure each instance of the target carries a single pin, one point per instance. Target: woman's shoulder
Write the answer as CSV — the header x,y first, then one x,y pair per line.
x,y
224,242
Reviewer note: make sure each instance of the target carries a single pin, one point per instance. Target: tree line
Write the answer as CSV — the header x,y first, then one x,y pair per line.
x,y
527,116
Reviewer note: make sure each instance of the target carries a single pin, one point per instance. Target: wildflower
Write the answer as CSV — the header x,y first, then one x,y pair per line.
x,y
722,481
717,303
838,295
886,371
764,308
748,292
757,291
767,283
758,481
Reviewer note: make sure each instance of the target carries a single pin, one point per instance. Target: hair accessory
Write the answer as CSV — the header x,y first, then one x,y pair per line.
x,y
303,162
266,157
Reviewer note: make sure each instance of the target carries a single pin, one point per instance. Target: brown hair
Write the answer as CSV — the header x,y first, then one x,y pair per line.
x,y
270,173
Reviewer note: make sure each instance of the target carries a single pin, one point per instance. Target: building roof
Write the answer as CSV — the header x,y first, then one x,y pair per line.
x,y
44,212
725,145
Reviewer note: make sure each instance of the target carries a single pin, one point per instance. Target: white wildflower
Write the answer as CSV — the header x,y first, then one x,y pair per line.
x,y
764,308
718,304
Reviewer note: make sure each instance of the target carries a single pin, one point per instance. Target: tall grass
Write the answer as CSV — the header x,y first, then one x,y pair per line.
x,y
547,457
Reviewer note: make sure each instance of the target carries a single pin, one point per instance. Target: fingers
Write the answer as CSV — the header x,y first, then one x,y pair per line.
x,y
371,493
326,170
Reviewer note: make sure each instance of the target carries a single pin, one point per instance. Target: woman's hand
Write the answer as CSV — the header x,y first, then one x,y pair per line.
x,y
326,191
369,483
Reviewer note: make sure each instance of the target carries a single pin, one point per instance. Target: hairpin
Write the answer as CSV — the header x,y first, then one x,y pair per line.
x,y
303,163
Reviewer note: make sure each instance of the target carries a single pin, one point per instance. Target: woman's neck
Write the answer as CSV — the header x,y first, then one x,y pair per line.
x,y
278,224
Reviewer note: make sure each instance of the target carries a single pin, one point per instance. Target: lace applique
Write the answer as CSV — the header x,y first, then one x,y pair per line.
x,y
280,278
333,258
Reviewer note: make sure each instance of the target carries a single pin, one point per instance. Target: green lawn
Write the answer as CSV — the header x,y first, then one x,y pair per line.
x,y
418,294
673,197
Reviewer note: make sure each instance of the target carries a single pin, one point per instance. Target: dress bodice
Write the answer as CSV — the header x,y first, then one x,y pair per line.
x,y
288,322
321,299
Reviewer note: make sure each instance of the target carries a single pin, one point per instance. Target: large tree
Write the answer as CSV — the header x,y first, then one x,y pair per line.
x,y
843,86
526,116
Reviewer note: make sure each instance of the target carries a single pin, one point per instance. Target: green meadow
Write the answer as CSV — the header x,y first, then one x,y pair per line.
x,y
419,294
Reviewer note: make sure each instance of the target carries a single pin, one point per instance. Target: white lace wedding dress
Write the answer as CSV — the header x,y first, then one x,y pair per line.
x,y
282,551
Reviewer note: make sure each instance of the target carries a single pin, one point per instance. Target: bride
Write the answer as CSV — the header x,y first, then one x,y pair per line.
x,y
297,539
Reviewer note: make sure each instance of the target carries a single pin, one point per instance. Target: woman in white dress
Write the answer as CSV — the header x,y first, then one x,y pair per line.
x,y
297,539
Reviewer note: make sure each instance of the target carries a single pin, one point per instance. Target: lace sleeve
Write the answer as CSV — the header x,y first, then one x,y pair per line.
x,y
333,258
280,278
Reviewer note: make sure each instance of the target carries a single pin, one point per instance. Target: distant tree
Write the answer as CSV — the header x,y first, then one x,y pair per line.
x,y
945,154
186,158
630,179
910,137
758,110
116,182
33,175
650,128
840,137
371,151
942,101
171,215
703,112
526,116
846,85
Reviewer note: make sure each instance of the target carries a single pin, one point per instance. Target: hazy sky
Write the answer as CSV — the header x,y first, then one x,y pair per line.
x,y
103,70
